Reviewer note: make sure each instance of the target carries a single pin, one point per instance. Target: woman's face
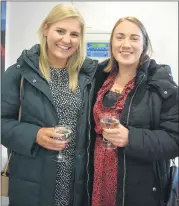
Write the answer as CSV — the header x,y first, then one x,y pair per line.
x,y
63,39
127,44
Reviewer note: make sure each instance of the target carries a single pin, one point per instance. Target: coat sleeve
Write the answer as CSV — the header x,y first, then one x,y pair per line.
x,y
160,144
16,136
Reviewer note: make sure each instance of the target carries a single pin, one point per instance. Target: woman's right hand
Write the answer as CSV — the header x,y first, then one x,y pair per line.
x,y
46,138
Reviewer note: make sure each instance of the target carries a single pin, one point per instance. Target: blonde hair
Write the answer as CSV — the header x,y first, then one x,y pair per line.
x,y
147,47
75,61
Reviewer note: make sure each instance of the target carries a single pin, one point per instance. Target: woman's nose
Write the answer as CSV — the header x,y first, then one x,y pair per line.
x,y
126,43
66,39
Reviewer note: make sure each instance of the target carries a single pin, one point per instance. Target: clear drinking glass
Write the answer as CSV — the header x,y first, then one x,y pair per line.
x,y
109,121
66,131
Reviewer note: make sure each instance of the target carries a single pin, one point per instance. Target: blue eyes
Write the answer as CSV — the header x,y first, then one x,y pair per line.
x,y
60,31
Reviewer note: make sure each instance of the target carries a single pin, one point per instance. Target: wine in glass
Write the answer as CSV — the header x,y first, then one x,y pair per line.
x,y
109,121
66,131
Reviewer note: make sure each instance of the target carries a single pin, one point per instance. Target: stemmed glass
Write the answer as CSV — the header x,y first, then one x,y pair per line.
x,y
109,121
66,131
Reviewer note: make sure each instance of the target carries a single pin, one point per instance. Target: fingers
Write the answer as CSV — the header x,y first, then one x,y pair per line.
x,y
111,133
50,132
118,143
53,144
117,136
48,138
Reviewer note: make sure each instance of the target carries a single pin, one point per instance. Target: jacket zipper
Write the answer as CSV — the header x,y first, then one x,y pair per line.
x,y
89,139
73,199
129,110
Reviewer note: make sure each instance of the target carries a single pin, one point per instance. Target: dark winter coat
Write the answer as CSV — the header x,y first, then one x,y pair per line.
x,y
32,171
151,115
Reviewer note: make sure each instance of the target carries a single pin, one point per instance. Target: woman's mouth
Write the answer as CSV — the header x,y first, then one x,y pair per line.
x,y
125,53
66,48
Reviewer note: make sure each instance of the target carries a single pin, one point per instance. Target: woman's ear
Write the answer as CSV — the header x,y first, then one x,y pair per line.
x,y
45,30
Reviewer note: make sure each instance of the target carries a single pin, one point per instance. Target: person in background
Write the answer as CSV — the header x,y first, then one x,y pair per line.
x,y
56,89
144,97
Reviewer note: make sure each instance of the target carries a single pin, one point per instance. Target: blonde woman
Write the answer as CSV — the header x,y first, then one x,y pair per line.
x,y
56,89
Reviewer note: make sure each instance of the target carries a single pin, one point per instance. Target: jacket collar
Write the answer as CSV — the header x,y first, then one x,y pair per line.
x,y
89,68
156,75
31,57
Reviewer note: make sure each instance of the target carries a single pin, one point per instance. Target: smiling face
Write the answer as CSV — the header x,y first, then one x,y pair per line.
x,y
127,43
63,39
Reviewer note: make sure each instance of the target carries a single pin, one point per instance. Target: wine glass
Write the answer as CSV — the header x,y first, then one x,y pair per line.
x,y
109,121
66,131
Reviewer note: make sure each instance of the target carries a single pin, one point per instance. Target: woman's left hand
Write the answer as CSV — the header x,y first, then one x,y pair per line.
x,y
117,136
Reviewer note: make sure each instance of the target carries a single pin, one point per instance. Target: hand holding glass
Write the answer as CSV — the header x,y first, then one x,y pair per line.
x,y
109,121
66,131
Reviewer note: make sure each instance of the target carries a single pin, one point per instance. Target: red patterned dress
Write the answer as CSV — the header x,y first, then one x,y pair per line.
x,y
105,161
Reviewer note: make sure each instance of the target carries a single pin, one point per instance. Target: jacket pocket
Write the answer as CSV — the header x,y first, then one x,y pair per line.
x,y
23,193
25,168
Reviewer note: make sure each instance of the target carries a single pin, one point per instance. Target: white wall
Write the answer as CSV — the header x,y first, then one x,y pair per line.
x,y
159,18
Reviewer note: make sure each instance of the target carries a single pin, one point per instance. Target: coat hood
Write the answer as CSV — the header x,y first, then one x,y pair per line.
x,y
159,76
